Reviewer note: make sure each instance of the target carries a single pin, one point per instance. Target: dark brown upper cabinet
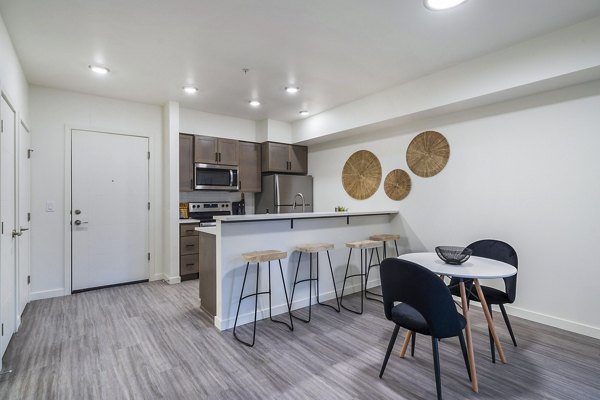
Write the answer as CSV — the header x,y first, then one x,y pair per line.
x,y
212,150
186,163
280,157
250,167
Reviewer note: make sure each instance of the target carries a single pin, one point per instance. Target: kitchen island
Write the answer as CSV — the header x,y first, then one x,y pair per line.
x,y
221,265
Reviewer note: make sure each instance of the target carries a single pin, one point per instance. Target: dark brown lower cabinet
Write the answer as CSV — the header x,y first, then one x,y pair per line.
x,y
188,251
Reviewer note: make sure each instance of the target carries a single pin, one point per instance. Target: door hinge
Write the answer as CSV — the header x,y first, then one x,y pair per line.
x,y
148,205
148,155
29,151
28,279
28,217
148,256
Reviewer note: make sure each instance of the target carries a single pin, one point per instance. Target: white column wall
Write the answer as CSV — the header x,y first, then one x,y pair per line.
x,y
52,112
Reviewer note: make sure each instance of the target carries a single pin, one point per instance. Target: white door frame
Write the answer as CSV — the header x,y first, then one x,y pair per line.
x,y
15,200
153,195
22,127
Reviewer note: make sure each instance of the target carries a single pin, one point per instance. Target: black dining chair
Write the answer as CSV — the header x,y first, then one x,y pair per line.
x,y
426,307
500,251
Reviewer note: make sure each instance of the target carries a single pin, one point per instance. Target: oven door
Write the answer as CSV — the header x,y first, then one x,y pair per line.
x,y
215,177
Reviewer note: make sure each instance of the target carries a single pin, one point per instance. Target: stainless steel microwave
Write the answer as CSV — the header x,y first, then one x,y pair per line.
x,y
215,177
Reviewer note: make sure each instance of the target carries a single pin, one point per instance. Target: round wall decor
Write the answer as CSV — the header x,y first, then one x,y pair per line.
x,y
397,184
427,154
361,175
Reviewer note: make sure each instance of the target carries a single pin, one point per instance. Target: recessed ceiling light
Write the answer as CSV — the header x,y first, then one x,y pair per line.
x,y
99,70
190,89
254,103
437,5
292,89
304,113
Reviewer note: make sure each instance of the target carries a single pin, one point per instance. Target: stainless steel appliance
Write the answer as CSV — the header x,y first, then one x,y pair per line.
x,y
205,212
285,194
215,177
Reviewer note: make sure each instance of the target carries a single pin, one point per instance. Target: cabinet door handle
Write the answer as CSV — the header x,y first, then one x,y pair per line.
x,y
189,245
188,265
219,157
216,157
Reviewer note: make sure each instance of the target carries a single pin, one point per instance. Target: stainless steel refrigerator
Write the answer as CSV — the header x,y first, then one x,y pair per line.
x,y
285,194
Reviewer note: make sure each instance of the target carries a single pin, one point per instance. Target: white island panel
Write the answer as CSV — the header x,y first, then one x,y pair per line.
x,y
270,231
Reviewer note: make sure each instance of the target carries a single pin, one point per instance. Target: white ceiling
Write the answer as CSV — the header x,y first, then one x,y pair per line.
x,y
335,50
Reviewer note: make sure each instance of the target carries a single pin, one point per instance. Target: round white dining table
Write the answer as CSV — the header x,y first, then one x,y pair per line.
x,y
474,268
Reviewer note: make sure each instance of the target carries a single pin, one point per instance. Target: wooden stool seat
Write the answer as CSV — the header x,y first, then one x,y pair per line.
x,y
264,255
364,244
384,237
314,247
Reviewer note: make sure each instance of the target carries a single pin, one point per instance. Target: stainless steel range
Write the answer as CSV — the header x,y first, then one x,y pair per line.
x,y
205,212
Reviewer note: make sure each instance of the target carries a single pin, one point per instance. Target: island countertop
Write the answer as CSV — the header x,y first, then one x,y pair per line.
x,y
307,215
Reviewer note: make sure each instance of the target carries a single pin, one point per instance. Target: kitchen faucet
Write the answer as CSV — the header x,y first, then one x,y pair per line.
x,y
301,198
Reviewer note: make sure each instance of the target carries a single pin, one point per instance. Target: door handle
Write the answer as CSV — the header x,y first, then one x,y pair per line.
x,y
15,233
78,222
23,229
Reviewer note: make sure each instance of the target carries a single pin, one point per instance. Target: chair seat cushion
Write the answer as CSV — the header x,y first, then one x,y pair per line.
x,y
409,318
492,295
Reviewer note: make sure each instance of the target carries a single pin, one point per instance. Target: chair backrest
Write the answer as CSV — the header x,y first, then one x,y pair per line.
x,y
407,282
501,251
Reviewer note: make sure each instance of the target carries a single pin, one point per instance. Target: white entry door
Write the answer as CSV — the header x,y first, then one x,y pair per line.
x,y
109,216
24,215
7,214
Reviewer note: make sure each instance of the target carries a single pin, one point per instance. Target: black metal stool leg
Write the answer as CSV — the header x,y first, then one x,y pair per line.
x,y
367,291
296,281
291,325
242,297
412,344
361,275
333,280
397,252
345,277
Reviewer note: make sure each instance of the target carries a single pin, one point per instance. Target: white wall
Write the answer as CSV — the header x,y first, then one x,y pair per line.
x,y
525,172
201,123
51,112
12,78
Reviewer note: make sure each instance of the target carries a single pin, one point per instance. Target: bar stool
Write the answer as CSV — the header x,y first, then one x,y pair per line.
x,y
384,237
313,248
364,246
258,257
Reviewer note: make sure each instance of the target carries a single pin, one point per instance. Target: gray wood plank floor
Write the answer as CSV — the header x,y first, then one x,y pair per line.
x,y
151,341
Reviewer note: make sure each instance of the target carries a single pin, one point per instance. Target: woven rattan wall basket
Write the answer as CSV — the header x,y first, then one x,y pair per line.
x,y
361,175
427,154
397,184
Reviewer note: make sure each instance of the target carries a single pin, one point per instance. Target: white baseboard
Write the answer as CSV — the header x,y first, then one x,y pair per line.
x,y
262,313
172,279
534,316
46,294
556,322
157,277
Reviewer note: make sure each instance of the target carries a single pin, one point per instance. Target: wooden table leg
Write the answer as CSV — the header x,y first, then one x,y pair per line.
x,y
465,307
490,321
405,344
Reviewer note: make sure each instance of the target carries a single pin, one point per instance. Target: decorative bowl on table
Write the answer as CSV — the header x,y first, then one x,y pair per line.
x,y
454,255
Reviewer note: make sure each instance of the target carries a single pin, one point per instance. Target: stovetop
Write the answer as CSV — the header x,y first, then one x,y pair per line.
x,y
206,211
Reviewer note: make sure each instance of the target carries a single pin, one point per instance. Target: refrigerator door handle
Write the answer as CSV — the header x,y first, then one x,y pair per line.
x,y
277,197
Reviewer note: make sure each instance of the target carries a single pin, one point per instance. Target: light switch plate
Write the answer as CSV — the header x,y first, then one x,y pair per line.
x,y
49,206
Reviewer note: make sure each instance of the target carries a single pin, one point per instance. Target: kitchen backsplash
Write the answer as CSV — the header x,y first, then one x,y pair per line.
x,y
186,197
